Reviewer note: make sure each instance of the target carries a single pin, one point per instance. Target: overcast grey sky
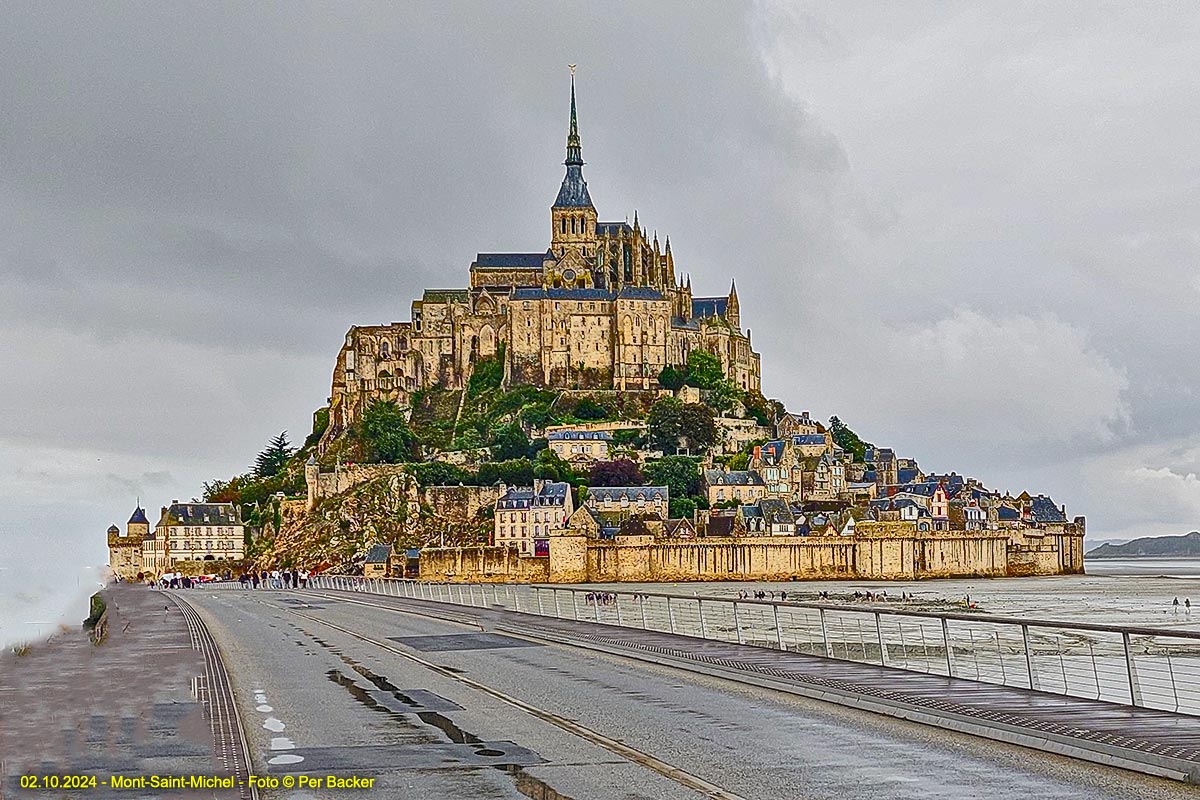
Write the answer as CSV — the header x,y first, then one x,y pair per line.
x,y
970,230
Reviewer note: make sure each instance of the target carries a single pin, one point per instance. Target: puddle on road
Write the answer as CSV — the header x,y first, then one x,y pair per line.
x,y
285,759
526,784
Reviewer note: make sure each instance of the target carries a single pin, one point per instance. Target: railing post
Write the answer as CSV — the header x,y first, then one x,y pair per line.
x,y
882,646
557,610
778,628
617,600
1029,656
1135,689
516,601
700,610
574,604
642,606
596,606
670,614
824,635
737,623
946,642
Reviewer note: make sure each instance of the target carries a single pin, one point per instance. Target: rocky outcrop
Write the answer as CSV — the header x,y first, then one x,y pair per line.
x,y
385,507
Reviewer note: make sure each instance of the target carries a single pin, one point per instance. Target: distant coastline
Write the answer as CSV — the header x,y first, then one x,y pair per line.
x,y
1185,546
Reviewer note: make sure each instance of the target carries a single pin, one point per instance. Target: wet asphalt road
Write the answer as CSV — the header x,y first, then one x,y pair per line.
x,y
316,701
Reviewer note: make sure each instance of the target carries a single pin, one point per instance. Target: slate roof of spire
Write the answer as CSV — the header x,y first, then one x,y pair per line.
x,y
574,192
139,515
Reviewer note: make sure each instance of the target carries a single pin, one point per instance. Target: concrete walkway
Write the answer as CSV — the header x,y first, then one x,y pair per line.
x,y
1155,742
129,706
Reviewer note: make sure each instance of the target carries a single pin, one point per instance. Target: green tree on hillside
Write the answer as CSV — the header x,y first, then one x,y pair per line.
x,y
386,433
699,428
665,424
621,472
672,378
509,442
681,474
270,462
722,397
847,439
682,507
672,423
703,369
549,466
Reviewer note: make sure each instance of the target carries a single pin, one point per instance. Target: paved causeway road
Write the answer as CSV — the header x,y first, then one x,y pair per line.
x,y
433,708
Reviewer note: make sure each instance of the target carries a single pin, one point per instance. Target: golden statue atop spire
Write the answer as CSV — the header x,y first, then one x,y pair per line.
x,y
572,68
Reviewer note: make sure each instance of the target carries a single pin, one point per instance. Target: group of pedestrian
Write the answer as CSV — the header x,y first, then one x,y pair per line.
x,y
761,595
177,581
1187,605
601,598
275,579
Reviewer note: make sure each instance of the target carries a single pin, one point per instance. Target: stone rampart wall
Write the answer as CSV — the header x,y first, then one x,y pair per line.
x,y
887,551
482,564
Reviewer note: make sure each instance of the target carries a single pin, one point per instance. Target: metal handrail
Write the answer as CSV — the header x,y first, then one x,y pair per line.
x,y
1140,666
870,608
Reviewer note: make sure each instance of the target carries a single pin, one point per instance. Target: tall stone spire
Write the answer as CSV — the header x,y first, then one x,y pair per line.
x,y
574,150
574,191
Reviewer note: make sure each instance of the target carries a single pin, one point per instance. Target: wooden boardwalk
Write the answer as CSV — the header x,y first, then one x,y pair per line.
x,y
1159,742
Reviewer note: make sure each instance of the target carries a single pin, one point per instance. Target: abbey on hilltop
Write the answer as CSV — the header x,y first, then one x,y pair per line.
x,y
601,308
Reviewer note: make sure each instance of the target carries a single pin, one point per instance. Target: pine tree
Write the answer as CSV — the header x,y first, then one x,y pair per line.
x,y
270,462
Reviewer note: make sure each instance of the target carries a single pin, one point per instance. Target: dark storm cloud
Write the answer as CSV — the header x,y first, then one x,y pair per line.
x,y
970,233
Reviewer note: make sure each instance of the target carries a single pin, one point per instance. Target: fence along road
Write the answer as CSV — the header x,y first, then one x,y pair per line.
x,y
1141,667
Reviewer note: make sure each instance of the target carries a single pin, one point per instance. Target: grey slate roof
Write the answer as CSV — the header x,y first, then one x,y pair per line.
x,y
704,307
379,553
204,514
775,511
578,436
613,228
744,477
614,494
640,293
808,438
537,293
1008,514
520,497
1044,510
574,192
139,515
508,261
772,451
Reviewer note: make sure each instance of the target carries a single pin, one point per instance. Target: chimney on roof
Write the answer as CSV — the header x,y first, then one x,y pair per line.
x,y
174,502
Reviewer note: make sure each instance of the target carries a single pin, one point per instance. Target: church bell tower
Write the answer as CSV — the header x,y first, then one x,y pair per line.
x,y
573,217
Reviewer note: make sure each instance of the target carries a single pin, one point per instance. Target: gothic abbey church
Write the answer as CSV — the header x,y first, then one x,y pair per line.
x,y
600,308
